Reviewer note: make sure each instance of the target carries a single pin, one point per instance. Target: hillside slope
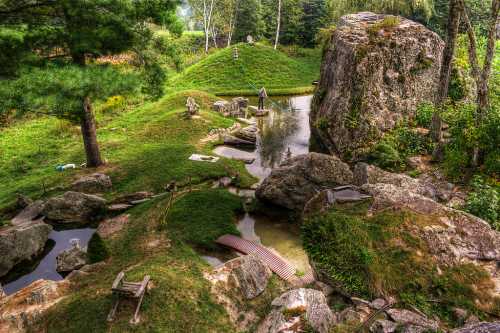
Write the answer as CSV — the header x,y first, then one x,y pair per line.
x,y
257,66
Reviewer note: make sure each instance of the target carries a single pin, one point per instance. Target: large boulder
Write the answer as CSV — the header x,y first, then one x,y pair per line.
x,y
298,179
22,242
94,183
453,235
24,310
480,328
295,309
29,213
409,318
74,207
376,69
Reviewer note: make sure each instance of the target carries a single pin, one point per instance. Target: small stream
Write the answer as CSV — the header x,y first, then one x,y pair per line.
x,y
285,128
46,268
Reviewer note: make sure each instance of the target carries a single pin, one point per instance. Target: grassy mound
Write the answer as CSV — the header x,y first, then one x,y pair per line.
x,y
146,147
257,66
382,255
201,217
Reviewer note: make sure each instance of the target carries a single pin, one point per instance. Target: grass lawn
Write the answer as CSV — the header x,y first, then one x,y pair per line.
x,y
146,148
257,66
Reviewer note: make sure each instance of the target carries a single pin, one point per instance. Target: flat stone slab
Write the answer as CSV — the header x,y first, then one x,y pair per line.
x,y
29,213
203,158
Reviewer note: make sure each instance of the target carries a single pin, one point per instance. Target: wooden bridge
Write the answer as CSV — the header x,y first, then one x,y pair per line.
x,y
277,264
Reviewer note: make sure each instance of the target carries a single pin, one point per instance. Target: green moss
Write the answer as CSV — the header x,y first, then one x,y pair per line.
x,y
96,249
322,123
387,24
200,217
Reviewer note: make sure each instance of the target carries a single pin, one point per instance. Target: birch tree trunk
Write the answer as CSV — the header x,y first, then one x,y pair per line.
x,y
278,24
207,20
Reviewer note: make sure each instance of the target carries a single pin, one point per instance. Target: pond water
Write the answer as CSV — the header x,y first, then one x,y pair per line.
x,y
285,128
46,268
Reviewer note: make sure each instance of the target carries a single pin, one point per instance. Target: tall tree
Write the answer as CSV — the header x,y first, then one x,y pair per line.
x,y
249,20
204,10
481,75
278,24
80,30
446,67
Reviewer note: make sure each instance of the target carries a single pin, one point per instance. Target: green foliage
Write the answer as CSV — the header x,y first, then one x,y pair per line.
x,y
484,201
96,249
60,91
457,89
423,115
388,23
382,255
466,135
248,20
386,156
396,146
201,217
12,50
257,66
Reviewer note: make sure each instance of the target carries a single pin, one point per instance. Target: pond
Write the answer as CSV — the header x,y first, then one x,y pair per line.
x,y
46,268
286,128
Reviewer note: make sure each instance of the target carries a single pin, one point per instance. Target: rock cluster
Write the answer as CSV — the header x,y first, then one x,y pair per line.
x,y
71,259
376,70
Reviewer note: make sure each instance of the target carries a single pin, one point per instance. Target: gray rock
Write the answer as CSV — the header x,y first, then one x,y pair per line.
x,y
298,179
94,183
383,326
22,242
250,275
480,328
350,315
29,213
378,303
370,80
370,174
74,207
2,292
292,309
408,318
23,201
131,197
71,259
455,234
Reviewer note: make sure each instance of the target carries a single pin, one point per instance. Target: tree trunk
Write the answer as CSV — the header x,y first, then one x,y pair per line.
x,y
276,40
89,136
446,66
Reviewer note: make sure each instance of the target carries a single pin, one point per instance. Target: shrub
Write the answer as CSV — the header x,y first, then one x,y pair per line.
x,y
423,116
484,202
386,156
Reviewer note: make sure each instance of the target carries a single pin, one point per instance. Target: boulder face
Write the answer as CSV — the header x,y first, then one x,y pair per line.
x,y
480,328
376,69
298,179
296,308
250,275
22,242
74,207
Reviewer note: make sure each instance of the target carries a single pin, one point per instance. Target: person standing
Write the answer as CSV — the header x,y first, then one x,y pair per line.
x,y
262,97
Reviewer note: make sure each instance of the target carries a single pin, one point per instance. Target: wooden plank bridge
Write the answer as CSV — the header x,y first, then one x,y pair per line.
x,y
277,264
